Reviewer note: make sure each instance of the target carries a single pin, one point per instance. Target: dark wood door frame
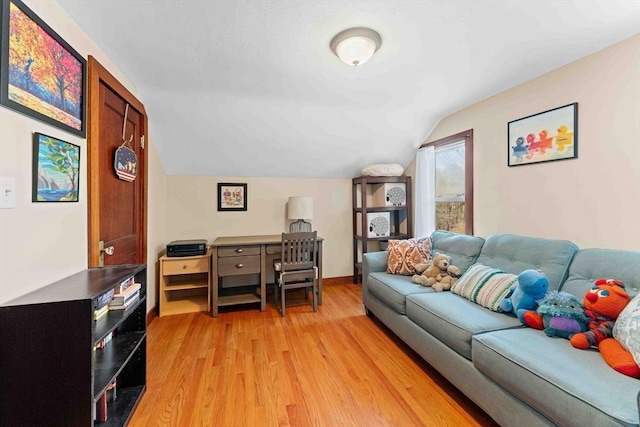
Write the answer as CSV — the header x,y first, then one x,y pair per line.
x,y
97,74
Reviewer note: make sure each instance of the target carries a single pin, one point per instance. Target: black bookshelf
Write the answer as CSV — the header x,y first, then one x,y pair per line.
x,y
51,372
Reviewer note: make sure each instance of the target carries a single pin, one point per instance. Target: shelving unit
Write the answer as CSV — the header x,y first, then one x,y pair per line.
x,y
379,197
185,284
52,374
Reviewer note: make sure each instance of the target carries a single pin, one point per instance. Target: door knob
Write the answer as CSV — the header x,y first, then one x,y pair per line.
x,y
109,250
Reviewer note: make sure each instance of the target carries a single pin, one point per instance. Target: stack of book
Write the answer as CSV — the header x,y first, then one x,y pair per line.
x,y
101,304
125,297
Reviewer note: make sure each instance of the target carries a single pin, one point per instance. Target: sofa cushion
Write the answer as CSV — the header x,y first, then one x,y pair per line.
x,y
590,265
454,320
405,254
393,289
484,285
463,249
569,386
627,328
514,254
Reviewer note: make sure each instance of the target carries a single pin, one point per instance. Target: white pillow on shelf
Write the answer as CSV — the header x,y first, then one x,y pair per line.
x,y
383,169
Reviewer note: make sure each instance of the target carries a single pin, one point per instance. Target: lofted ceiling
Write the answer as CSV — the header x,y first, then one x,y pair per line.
x,y
251,88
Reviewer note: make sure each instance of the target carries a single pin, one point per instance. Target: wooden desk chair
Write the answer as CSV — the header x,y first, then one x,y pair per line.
x,y
298,266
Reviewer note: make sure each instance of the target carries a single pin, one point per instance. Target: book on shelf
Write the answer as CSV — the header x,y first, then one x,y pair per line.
x,y
121,296
103,342
100,312
126,303
101,408
125,284
103,299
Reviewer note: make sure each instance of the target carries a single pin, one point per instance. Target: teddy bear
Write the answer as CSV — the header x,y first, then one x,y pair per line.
x,y
532,286
440,274
559,314
602,305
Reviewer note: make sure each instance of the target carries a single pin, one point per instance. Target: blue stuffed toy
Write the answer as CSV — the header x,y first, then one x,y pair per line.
x,y
532,286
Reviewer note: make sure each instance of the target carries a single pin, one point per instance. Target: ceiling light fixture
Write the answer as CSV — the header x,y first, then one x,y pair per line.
x,y
356,46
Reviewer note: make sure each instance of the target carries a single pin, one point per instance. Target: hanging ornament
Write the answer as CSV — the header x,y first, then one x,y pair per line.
x,y
125,160
126,163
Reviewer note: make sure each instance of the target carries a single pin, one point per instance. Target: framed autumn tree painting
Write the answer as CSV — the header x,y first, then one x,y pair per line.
x,y
40,74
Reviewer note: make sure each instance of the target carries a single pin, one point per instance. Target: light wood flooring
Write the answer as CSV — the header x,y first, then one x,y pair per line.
x,y
336,367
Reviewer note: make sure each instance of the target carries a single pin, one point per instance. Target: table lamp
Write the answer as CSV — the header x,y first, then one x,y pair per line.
x,y
300,208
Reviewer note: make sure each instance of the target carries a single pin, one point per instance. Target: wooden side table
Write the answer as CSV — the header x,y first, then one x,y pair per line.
x,y
185,284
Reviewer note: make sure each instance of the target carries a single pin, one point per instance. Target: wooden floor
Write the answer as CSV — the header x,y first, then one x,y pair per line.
x,y
336,367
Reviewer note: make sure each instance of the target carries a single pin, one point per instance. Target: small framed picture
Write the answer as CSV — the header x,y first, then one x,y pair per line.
x,y
56,167
543,137
232,197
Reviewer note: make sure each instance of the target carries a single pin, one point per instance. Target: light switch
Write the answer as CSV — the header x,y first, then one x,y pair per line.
x,y
7,192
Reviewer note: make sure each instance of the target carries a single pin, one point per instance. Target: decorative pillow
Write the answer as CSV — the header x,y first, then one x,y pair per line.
x,y
484,285
405,254
387,169
627,328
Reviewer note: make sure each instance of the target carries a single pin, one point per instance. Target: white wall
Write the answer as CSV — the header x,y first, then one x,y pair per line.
x,y
43,242
593,200
192,212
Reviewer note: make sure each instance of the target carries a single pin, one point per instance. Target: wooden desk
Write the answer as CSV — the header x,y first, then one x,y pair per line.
x,y
242,266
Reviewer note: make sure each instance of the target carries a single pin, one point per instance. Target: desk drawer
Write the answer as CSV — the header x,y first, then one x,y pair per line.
x,y
274,249
237,265
185,266
238,251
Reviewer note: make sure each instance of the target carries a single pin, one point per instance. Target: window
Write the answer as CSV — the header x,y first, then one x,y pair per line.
x,y
451,193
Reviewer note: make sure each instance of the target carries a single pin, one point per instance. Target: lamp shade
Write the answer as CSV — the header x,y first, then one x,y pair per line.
x,y
300,207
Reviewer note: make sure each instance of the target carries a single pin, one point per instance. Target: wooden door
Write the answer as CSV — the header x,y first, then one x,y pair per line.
x,y
117,208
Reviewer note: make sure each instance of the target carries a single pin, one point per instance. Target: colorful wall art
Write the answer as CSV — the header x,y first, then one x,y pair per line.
x,y
56,166
550,135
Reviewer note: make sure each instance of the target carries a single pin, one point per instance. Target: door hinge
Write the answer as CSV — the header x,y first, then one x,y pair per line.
x,y
142,142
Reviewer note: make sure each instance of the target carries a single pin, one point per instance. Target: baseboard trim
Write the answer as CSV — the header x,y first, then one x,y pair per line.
x,y
151,315
343,280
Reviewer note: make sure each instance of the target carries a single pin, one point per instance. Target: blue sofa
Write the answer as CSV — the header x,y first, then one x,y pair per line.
x,y
517,375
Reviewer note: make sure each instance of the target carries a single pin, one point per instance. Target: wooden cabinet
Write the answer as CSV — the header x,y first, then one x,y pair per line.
x,y
185,284
381,211
52,372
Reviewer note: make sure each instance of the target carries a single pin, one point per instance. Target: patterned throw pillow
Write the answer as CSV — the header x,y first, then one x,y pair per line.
x,y
627,328
484,285
405,254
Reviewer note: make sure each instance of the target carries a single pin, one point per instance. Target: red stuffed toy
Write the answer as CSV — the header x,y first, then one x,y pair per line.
x,y
602,304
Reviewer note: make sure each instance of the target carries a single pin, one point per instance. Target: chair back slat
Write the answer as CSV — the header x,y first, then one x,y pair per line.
x,y
299,250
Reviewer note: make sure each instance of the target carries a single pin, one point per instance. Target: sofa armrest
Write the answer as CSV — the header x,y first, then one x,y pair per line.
x,y
374,261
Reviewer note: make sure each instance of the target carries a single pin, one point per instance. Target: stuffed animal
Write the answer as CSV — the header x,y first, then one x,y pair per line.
x,y
559,314
602,304
532,285
439,275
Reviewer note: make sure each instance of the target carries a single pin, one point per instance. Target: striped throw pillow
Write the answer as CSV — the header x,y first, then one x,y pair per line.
x,y
405,254
484,285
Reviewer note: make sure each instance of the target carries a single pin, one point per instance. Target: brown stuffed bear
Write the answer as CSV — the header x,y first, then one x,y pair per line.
x,y
440,275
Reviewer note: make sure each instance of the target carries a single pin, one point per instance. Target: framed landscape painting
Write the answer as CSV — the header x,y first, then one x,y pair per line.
x,y
56,167
232,197
40,74
542,137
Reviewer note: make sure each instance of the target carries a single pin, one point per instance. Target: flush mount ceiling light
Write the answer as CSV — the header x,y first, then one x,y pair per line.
x,y
356,46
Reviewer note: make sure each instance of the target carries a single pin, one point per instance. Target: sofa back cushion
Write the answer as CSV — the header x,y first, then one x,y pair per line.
x,y
462,249
590,265
514,254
